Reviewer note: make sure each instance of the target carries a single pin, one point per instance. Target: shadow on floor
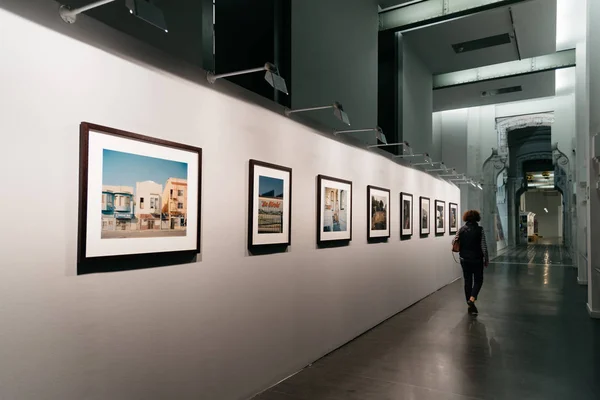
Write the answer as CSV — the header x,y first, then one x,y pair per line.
x,y
533,339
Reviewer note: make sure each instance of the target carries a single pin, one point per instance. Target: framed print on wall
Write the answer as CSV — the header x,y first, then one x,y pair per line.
x,y
424,211
270,205
139,201
406,215
453,218
334,210
378,211
440,217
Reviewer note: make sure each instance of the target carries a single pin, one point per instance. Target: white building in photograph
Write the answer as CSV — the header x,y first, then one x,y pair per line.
x,y
148,204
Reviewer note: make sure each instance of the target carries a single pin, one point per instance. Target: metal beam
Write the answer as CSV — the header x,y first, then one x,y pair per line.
x,y
417,15
549,62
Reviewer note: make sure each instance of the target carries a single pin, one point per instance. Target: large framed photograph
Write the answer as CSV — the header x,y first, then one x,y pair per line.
x,y
406,215
440,217
424,211
334,210
270,205
453,218
378,224
139,200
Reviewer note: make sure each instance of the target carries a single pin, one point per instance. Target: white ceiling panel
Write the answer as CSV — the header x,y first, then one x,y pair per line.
x,y
534,86
535,24
434,44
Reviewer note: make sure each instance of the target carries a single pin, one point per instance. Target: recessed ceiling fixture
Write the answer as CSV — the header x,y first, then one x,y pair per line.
x,y
483,43
506,90
144,10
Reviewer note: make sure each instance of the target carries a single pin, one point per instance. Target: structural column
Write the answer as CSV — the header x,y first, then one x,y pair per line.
x,y
593,201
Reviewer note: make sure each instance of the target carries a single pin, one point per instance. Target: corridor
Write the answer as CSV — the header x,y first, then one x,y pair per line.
x,y
533,339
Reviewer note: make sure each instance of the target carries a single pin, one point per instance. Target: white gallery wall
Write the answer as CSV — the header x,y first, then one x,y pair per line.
x,y
225,327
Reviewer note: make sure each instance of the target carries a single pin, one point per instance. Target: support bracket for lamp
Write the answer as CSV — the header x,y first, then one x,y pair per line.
x,y
70,16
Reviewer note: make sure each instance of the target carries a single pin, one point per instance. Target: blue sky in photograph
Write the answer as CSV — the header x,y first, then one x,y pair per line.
x,y
125,169
267,184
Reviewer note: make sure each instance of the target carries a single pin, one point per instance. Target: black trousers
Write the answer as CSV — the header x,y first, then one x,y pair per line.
x,y
473,274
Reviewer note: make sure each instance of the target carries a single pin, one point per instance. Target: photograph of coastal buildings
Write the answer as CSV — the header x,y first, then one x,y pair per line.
x,y
142,196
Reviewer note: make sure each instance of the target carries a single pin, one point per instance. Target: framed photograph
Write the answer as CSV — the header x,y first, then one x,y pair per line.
x,y
425,210
378,211
270,205
334,212
453,218
406,214
440,217
139,200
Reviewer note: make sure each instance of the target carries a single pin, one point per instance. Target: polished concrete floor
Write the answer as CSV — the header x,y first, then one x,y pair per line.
x,y
533,339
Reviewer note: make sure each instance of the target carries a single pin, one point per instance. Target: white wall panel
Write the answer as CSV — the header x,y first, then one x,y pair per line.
x,y
225,327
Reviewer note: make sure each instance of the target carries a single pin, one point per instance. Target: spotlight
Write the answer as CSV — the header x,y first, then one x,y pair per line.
x,y
271,76
144,10
379,135
338,111
426,159
442,168
405,147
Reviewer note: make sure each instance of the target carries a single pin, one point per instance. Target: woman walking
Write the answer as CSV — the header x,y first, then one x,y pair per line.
x,y
473,256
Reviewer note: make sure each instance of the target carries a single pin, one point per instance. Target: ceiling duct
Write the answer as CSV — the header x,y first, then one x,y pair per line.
x,y
506,90
483,43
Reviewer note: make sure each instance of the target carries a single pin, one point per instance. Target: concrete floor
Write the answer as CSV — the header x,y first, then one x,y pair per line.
x,y
533,339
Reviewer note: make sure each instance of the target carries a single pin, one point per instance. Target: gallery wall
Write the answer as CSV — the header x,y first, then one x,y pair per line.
x,y
225,327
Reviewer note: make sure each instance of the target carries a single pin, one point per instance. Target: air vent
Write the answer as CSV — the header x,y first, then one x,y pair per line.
x,y
482,43
506,90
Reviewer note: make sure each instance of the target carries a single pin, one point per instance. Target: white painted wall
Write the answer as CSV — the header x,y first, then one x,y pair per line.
x,y
225,327
535,201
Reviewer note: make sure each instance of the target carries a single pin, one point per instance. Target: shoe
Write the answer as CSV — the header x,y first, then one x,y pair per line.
x,y
472,308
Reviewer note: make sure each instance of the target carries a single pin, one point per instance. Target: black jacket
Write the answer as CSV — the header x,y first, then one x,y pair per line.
x,y
473,245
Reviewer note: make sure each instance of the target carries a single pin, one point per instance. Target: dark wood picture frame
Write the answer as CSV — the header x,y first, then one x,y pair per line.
x,y
436,229
275,246
412,206
112,263
322,242
371,238
424,230
452,231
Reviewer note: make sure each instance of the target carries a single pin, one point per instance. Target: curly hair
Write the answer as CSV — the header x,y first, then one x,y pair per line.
x,y
471,216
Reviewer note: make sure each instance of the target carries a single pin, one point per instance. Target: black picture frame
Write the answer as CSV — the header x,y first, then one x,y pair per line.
x,y
403,233
321,239
424,227
122,262
452,230
371,237
284,239
438,230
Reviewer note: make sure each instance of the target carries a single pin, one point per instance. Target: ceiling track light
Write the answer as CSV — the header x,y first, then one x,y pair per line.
x,y
379,135
338,111
272,76
144,10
